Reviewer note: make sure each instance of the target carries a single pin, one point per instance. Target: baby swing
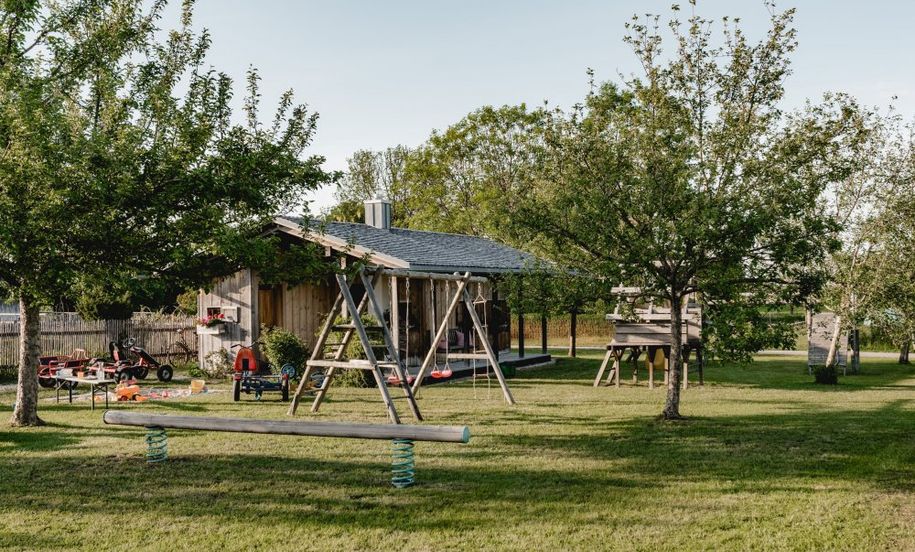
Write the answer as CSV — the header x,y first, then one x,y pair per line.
x,y
446,372
393,379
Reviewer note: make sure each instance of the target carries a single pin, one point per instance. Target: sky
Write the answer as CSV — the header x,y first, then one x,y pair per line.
x,y
382,73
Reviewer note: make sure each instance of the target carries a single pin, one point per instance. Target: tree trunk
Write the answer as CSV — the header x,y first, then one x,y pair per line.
x,y
672,404
904,353
543,337
832,356
573,333
26,411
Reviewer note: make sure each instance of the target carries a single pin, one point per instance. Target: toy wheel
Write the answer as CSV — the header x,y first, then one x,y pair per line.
x,y
141,373
165,373
123,374
288,370
47,383
236,390
285,390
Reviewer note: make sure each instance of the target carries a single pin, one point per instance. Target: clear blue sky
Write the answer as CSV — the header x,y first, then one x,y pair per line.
x,y
382,73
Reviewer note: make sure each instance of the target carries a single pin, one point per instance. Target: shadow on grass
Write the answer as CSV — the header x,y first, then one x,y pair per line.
x,y
763,454
851,445
763,373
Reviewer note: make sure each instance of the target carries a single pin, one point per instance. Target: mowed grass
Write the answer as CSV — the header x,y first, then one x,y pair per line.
x,y
766,461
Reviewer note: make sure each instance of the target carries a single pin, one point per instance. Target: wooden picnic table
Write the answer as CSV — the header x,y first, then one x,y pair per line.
x,y
93,383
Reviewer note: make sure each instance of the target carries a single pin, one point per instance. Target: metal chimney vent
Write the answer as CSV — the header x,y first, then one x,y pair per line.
x,y
378,213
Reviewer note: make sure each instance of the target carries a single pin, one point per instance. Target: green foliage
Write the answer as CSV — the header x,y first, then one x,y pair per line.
x,y
218,363
354,350
826,375
464,179
187,302
280,346
736,329
124,172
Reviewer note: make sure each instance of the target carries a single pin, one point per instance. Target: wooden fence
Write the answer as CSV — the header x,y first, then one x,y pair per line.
x,y
61,332
592,330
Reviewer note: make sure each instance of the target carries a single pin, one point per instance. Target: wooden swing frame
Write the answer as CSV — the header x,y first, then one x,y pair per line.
x,y
345,303
488,354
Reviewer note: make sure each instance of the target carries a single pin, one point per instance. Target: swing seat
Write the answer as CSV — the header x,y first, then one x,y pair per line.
x,y
446,373
394,380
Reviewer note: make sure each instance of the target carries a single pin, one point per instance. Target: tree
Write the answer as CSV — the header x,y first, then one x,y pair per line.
x,y
691,178
121,162
891,228
464,179
369,175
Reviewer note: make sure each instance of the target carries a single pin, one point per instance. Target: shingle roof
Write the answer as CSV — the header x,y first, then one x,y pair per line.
x,y
428,251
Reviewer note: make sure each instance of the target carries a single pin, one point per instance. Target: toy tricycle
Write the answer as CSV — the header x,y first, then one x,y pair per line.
x,y
249,378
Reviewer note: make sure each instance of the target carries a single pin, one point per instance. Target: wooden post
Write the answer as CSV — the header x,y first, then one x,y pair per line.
x,y
497,322
482,337
430,355
573,333
520,318
367,346
395,316
649,363
399,365
543,333
603,367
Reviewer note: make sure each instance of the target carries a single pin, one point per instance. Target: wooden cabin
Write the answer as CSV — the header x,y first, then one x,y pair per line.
x,y
248,304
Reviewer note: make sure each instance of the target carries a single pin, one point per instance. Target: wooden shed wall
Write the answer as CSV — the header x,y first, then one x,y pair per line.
x,y
235,290
304,308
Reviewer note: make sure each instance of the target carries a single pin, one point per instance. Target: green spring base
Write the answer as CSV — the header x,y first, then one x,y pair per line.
x,y
156,445
403,468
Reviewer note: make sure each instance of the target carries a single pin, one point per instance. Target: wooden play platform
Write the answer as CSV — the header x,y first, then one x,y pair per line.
x,y
647,331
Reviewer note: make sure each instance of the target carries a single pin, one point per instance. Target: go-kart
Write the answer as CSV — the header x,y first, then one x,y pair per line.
x,y
130,361
248,377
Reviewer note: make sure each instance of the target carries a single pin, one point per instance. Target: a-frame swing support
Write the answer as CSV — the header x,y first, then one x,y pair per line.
x,y
345,301
461,294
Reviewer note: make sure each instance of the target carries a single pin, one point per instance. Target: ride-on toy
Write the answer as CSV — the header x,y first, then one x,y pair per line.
x,y
248,377
130,361
49,365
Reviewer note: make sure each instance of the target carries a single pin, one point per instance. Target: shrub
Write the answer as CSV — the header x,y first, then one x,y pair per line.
x,y
216,364
827,375
353,378
280,347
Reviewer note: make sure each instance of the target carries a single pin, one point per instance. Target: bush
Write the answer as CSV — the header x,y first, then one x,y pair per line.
x,y
353,378
216,364
280,347
827,375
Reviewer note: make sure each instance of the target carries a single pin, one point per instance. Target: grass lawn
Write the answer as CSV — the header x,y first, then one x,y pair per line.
x,y
766,461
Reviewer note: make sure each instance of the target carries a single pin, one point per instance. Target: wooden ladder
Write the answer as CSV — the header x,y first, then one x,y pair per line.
x,y
345,303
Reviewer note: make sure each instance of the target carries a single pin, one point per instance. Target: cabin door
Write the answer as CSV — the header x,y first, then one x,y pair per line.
x,y
270,304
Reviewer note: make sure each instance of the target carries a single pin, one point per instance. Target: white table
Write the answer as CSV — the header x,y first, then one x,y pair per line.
x,y
94,383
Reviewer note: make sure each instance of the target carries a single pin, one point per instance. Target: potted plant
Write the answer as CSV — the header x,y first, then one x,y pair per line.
x,y
211,324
